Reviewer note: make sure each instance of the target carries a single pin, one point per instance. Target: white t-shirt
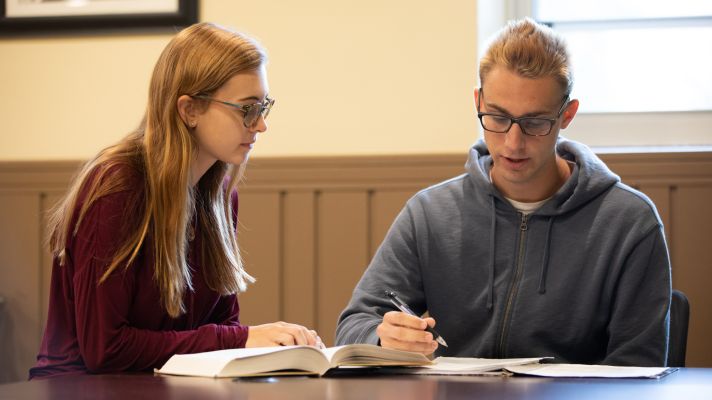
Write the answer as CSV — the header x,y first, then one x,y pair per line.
x,y
527,208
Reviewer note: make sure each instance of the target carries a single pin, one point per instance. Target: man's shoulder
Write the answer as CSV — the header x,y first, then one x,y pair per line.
x,y
448,186
447,191
631,197
440,201
631,202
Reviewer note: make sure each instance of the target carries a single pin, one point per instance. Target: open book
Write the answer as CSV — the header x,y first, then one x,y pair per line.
x,y
286,360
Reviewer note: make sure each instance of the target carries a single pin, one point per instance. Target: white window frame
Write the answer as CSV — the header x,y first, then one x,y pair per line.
x,y
636,129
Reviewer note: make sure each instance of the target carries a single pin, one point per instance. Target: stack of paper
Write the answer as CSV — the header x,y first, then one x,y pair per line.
x,y
589,371
469,366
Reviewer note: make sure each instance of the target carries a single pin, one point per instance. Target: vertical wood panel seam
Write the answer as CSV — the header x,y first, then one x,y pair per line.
x,y
40,265
369,224
280,256
672,190
316,194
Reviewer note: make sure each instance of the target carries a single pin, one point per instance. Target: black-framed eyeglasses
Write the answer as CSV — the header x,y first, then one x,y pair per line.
x,y
251,112
532,126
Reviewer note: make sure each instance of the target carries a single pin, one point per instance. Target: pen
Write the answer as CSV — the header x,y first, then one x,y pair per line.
x,y
404,307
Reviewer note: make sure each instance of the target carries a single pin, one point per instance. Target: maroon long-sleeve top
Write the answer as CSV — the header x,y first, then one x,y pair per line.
x,y
120,324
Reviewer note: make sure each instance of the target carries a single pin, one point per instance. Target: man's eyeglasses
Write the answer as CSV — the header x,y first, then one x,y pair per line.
x,y
251,112
532,126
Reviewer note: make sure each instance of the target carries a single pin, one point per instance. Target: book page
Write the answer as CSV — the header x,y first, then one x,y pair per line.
x,y
590,371
330,351
371,355
285,360
246,361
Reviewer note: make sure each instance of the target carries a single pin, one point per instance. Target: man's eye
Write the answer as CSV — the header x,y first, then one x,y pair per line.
x,y
499,120
535,123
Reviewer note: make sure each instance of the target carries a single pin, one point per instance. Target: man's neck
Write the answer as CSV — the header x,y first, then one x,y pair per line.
x,y
549,183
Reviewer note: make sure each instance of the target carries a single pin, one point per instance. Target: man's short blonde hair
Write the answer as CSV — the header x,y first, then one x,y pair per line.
x,y
531,50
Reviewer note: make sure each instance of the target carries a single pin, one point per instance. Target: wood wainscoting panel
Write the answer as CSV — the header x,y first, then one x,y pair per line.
x,y
20,283
385,206
299,257
342,254
260,230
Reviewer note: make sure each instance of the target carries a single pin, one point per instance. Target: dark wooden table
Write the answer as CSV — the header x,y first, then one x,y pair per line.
x,y
685,384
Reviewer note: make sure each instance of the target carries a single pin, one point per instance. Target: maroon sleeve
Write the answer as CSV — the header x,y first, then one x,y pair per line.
x,y
227,312
106,339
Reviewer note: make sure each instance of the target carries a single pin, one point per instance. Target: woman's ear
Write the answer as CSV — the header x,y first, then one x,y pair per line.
x,y
187,110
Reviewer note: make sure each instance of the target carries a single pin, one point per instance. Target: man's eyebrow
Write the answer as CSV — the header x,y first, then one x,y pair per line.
x,y
529,114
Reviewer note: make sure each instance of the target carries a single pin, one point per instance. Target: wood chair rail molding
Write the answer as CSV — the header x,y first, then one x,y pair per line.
x,y
687,167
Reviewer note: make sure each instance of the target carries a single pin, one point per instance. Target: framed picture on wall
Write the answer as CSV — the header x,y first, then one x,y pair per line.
x,y
52,16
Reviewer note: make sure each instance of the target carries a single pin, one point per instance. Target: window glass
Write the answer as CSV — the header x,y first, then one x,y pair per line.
x,y
606,10
635,55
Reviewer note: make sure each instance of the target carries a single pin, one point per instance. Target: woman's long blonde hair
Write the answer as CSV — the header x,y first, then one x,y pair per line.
x,y
199,59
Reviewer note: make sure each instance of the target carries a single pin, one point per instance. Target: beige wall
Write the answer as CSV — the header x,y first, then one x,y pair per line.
x,y
350,77
387,77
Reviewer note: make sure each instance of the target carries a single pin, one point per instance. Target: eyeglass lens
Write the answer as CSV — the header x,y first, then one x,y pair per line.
x,y
530,126
255,110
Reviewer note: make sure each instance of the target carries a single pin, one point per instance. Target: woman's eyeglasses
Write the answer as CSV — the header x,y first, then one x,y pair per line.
x,y
251,112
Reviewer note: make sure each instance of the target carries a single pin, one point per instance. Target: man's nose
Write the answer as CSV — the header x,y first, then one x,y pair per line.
x,y
514,138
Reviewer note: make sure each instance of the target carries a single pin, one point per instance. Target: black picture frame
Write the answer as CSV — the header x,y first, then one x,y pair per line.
x,y
187,14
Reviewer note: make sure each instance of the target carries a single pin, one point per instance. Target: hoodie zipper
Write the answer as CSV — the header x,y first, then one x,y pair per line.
x,y
501,350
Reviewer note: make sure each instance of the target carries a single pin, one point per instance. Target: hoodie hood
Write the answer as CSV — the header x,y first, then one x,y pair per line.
x,y
589,178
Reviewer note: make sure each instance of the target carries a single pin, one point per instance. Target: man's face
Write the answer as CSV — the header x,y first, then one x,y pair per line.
x,y
524,167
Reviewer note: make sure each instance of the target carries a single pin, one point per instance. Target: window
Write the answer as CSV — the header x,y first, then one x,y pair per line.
x,y
641,67
636,55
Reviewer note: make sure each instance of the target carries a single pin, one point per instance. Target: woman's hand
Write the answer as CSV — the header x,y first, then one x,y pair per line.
x,y
282,334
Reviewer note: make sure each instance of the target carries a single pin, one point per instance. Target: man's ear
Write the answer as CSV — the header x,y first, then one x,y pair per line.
x,y
569,113
477,96
187,110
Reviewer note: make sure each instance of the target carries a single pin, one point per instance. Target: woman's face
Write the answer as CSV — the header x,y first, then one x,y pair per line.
x,y
220,129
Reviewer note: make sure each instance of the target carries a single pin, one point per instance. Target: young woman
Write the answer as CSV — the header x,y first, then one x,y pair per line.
x,y
146,261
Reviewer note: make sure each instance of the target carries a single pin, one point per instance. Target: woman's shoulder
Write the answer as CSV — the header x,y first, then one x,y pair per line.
x,y
130,170
112,198
112,181
122,174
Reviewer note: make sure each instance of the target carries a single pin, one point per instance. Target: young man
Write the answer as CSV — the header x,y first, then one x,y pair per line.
x,y
538,250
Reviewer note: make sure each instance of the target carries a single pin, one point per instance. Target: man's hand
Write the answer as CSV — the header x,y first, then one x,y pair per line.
x,y
402,331
282,334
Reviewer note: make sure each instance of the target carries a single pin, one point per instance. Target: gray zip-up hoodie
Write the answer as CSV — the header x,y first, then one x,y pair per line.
x,y
585,278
